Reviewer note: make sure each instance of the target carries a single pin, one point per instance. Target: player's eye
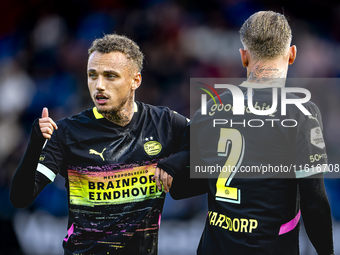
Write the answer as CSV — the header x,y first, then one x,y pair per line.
x,y
111,76
92,75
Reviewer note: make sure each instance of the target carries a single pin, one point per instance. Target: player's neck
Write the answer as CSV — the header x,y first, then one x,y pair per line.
x,y
122,117
269,72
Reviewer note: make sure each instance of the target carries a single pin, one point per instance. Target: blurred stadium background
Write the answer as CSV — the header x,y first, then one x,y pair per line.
x,y
43,58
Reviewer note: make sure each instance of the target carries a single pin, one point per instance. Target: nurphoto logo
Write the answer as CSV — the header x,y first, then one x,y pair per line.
x,y
238,106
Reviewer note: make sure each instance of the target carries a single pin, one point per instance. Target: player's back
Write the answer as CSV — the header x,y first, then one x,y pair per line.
x,y
255,209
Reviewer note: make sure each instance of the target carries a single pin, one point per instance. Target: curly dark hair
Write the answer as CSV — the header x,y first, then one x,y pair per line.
x,y
266,34
113,42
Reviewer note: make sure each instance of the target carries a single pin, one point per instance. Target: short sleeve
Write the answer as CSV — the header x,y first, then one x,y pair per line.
x,y
52,160
179,123
309,150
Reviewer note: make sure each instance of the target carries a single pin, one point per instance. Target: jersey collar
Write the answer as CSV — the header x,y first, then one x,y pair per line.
x,y
260,85
97,115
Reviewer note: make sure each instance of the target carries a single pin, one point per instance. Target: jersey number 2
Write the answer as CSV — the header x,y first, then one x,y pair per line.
x,y
230,145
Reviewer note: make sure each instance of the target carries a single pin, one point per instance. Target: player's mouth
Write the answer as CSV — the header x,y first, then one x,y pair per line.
x,y
101,98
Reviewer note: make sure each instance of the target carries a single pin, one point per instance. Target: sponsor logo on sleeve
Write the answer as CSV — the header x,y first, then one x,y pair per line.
x,y
316,138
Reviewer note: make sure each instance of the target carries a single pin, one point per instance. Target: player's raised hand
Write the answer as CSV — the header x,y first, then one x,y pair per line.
x,y
164,178
46,124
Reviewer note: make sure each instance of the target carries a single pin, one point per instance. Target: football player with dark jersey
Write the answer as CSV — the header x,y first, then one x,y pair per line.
x,y
107,155
268,167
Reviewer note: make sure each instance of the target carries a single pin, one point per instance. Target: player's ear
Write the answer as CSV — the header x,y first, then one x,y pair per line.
x,y
137,80
244,57
292,54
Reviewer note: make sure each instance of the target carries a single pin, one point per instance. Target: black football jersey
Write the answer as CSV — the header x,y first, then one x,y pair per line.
x,y
114,205
256,161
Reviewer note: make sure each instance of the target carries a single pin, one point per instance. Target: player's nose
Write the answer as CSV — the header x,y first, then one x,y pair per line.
x,y
100,84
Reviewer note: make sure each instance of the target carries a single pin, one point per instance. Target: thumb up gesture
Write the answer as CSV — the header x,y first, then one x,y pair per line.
x,y
46,124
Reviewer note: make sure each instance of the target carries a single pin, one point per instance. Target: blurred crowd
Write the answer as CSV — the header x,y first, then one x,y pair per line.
x,y
43,58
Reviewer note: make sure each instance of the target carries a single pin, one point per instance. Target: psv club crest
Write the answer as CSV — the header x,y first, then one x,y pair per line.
x,y
152,147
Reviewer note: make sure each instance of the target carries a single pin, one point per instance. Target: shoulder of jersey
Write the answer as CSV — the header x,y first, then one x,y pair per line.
x,y
153,107
309,105
83,117
158,110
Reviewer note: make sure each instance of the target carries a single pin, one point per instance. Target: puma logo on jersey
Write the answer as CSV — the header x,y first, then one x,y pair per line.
x,y
92,151
313,118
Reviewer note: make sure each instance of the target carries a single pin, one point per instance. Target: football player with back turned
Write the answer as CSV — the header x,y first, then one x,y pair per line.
x,y
258,213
